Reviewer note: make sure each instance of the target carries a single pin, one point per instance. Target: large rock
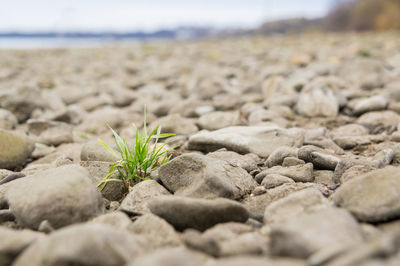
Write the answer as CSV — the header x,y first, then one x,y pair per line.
x,y
197,175
261,140
15,149
288,208
309,233
158,231
84,244
198,214
136,202
13,242
372,197
62,195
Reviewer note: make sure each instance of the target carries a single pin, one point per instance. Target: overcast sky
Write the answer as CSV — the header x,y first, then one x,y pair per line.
x,y
149,14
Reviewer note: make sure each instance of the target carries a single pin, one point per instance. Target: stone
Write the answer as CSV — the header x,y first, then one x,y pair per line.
x,y
194,240
116,219
298,203
136,202
94,151
257,204
257,261
299,173
218,120
15,149
386,118
113,190
62,195
8,121
42,150
324,177
98,120
318,157
374,103
175,123
199,214
317,101
248,161
197,175
14,242
159,233
275,180
84,244
309,233
171,257
278,155
292,161
260,140
371,197
50,133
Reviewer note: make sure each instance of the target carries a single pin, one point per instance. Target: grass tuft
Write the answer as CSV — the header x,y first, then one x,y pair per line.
x,y
136,164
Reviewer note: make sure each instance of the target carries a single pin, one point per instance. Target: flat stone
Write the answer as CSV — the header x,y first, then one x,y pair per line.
x,y
199,214
260,140
372,197
299,173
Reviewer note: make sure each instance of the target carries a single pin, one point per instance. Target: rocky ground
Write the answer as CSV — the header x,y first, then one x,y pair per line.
x,y
288,153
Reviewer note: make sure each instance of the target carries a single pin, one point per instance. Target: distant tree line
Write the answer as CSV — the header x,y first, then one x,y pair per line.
x,y
364,15
347,15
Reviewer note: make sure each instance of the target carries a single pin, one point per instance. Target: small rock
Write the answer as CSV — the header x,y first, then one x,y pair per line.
x,y
94,151
175,124
319,158
275,180
278,155
136,202
299,173
50,133
8,120
15,149
198,214
218,120
374,103
292,161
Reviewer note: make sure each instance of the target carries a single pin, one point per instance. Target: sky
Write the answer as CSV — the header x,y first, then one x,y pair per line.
x,y
149,15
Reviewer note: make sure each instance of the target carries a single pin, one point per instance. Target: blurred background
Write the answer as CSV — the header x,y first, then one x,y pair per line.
x,y
65,23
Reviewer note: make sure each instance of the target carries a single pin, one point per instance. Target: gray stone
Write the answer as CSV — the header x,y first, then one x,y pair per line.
x,y
317,101
324,177
298,203
14,242
50,133
170,257
113,190
136,202
386,118
292,161
248,161
116,219
257,261
372,197
278,155
198,214
299,173
309,233
275,180
374,103
260,140
156,230
62,195
15,149
193,239
84,244
94,151
218,120
257,204
175,123
197,175
8,120
318,157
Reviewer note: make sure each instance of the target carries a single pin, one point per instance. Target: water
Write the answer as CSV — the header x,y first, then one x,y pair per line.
x,y
59,42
